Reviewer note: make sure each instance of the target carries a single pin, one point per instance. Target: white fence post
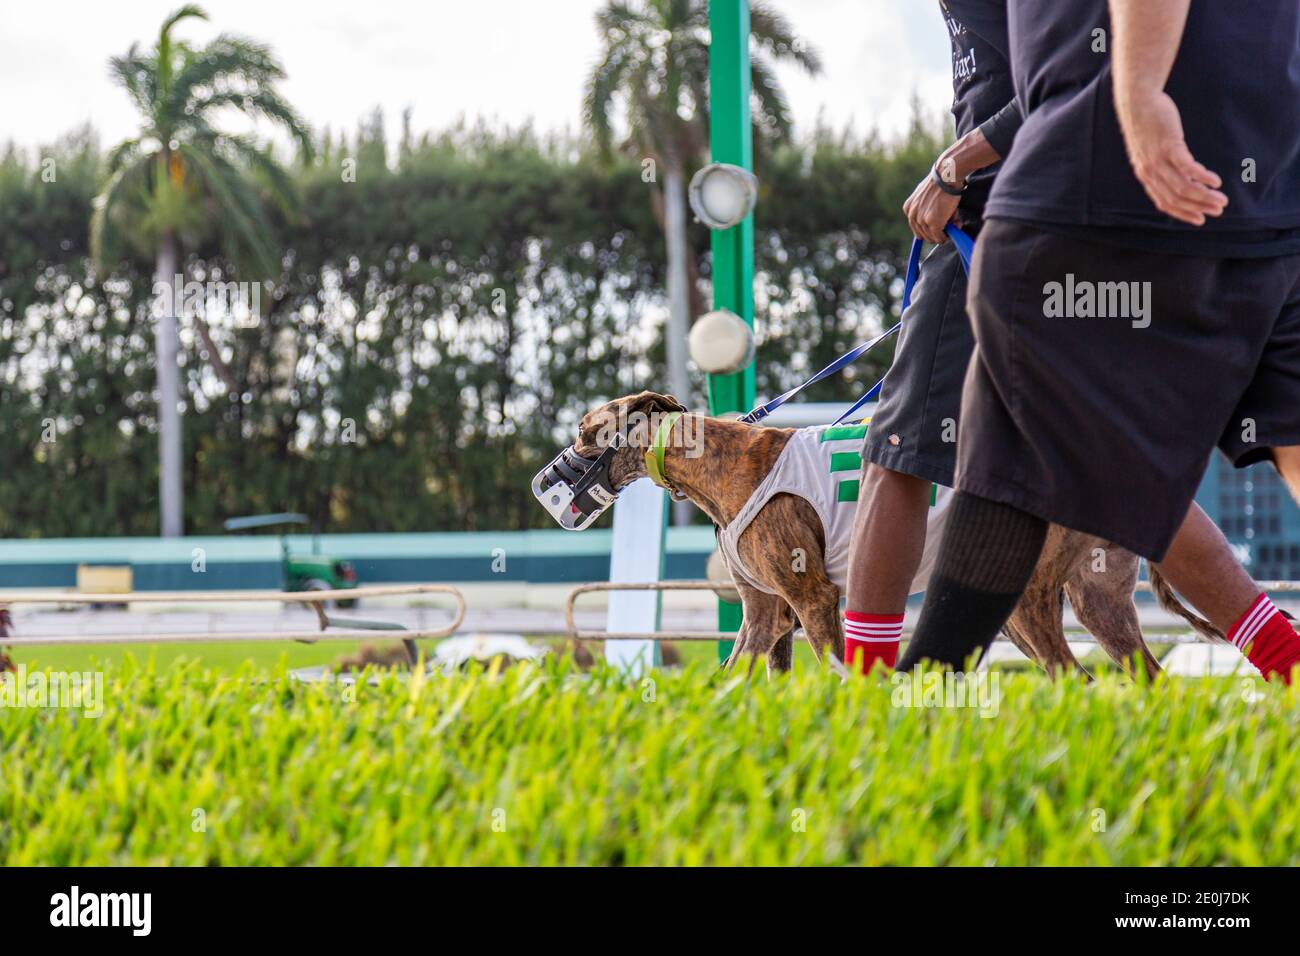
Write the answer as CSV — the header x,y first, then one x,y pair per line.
x,y
637,555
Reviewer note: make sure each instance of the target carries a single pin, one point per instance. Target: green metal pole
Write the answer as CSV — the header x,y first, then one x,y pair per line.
x,y
731,141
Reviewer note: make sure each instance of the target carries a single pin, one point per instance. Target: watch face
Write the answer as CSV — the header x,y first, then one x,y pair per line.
x,y
948,170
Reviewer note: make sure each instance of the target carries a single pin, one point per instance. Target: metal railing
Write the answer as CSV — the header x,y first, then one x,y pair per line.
x,y
353,629
574,633
331,628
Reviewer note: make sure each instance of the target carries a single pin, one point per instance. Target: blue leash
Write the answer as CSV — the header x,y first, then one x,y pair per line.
x,y
965,246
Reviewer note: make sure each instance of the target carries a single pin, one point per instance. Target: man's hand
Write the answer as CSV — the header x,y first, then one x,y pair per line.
x,y
1153,134
929,209
1147,35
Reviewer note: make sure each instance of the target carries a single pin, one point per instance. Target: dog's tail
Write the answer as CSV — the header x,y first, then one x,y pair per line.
x,y
1170,602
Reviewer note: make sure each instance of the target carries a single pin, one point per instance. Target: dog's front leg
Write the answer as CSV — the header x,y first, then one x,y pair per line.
x,y
784,547
820,616
781,657
767,622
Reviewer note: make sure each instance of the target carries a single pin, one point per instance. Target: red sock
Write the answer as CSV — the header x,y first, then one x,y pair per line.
x,y
1267,639
871,638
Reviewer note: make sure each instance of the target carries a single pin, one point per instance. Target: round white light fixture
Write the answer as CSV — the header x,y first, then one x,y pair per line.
x,y
722,195
721,342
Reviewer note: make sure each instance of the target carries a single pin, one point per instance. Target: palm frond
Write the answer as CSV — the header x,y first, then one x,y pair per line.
x,y
239,214
654,122
259,159
227,62
190,10
771,108
264,103
163,52
124,189
135,74
602,88
124,154
620,18
772,33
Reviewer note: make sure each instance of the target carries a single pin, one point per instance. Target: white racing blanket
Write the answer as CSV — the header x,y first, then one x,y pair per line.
x,y
823,465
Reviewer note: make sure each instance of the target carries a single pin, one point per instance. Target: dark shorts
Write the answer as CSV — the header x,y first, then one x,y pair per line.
x,y
1104,422
914,427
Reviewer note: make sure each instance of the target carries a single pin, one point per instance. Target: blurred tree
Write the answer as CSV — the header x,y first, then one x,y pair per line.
x,y
180,179
438,327
655,70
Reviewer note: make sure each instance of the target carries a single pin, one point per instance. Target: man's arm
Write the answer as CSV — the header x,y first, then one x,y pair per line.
x,y
972,152
1146,36
929,209
1000,129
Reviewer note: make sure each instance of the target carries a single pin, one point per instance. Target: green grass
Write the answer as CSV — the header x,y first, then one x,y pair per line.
x,y
544,765
230,657
221,656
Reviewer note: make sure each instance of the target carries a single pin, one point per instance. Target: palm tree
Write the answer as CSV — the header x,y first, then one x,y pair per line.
x,y
181,179
655,69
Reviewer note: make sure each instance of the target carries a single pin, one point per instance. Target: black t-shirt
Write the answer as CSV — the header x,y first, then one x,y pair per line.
x,y
1236,81
983,94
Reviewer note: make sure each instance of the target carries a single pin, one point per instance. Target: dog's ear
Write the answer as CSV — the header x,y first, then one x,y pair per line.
x,y
647,403
643,413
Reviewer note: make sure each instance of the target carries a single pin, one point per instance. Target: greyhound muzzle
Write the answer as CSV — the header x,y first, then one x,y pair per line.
x,y
577,490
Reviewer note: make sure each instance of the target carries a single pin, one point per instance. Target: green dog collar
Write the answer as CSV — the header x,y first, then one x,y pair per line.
x,y
654,455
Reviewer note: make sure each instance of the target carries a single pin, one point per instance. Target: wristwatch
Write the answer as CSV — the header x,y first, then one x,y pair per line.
x,y
944,175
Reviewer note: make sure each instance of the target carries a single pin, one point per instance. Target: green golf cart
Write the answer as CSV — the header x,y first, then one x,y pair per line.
x,y
301,572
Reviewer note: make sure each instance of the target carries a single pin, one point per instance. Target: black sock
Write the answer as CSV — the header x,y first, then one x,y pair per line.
x,y
987,556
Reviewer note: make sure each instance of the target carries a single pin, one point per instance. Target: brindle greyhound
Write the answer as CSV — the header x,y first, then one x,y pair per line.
x,y
735,457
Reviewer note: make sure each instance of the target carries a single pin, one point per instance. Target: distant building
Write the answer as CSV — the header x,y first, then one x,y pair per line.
x,y
1258,515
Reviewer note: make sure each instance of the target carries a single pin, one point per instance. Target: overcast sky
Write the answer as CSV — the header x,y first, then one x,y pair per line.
x,y
506,60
